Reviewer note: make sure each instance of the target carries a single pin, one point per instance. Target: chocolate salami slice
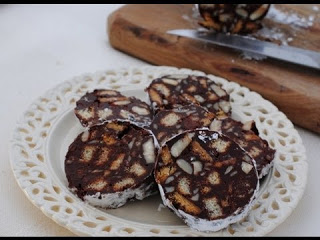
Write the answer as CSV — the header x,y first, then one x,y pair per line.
x,y
233,18
104,104
172,91
169,123
247,136
112,163
206,179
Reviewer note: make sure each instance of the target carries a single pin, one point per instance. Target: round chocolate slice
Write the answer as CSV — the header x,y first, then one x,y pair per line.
x,y
233,18
206,179
112,163
247,136
169,123
173,91
103,104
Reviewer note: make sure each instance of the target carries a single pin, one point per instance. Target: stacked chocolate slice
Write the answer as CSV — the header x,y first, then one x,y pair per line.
x,y
185,144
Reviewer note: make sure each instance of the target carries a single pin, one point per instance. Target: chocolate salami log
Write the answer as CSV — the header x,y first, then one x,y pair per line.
x,y
206,179
173,91
103,104
233,18
169,123
247,136
112,163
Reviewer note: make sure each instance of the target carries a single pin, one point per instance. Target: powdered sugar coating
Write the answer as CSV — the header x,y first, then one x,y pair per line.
x,y
118,199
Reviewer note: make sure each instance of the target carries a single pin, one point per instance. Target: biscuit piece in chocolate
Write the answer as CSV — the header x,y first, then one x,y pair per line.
x,y
206,179
112,163
233,18
169,123
104,104
247,136
172,91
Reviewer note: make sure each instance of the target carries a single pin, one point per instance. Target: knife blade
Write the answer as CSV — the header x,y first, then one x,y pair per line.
x,y
287,53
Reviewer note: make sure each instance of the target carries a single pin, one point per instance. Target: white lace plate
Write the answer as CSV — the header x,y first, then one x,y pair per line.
x,y
44,132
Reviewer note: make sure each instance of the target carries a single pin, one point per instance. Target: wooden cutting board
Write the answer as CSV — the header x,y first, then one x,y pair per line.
x,y
140,30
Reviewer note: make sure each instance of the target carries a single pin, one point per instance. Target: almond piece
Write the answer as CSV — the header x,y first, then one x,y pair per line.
x,y
107,92
149,151
197,167
140,110
229,169
125,113
218,90
169,179
246,167
178,147
170,81
85,136
199,98
178,76
225,106
248,125
195,197
184,165
259,12
162,88
216,125
241,12
125,102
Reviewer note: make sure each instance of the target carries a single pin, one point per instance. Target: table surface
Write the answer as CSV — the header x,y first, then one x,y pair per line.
x,y
43,45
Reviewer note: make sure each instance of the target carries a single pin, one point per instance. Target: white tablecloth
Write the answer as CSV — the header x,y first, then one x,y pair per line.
x,y
43,45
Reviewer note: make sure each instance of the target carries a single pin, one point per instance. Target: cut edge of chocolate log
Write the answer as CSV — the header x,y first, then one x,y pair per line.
x,y
233,18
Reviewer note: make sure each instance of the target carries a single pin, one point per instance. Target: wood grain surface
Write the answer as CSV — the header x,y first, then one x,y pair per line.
x,y
140,30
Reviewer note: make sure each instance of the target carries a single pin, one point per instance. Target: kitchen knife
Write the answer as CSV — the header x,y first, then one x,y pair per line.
x,y
287,53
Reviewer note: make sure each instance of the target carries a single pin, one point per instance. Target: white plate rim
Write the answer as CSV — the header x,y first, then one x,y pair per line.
x,y
27,150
